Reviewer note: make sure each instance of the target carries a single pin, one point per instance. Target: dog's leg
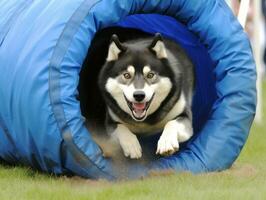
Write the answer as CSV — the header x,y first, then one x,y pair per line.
x,y
175,131
128,141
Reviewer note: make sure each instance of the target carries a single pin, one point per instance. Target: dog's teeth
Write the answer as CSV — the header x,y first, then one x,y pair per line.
x,y
139,114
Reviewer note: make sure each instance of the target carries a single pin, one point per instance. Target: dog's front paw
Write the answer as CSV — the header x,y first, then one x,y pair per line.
x,y
129,142
131,147
173,133
168,143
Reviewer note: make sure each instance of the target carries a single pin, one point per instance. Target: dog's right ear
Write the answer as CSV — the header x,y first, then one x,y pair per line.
x,y
115,48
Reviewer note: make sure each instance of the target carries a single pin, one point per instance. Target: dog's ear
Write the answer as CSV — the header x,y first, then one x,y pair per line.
x,y
115,48
157,46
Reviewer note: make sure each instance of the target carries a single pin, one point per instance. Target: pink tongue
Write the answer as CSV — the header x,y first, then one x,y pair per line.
x,y
139,106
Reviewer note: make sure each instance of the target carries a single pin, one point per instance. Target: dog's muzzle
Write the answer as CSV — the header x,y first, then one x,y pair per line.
x,y
139,109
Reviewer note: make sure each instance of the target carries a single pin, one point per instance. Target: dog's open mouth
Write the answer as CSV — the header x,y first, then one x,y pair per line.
x,y
139,110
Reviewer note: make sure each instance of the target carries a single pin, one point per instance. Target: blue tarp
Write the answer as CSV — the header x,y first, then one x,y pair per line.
x,y
43,45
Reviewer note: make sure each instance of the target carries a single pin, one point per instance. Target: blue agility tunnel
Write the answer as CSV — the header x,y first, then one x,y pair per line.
x,y
42,48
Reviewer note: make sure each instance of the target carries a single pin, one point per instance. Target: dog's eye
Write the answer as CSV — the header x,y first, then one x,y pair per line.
x,y
127,75
150,75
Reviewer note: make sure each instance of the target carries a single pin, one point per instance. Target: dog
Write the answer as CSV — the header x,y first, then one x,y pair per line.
x,y
147,86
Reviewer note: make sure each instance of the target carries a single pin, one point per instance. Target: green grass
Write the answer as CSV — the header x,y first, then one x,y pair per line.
x,y
246,180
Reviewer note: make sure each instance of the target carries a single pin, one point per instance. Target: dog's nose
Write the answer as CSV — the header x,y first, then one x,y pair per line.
x,y
139,95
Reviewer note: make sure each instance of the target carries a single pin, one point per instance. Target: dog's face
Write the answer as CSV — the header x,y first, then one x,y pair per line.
x,y
136,76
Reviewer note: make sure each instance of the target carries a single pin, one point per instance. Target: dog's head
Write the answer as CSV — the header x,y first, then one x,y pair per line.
x,y
136,76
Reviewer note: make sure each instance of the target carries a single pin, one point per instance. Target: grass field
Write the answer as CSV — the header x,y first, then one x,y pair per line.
x,y
246,180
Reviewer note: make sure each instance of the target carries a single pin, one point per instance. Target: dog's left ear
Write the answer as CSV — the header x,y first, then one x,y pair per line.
x,y
115,48
158,46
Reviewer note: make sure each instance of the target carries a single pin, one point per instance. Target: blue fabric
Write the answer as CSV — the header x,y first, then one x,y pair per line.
x,y
42,50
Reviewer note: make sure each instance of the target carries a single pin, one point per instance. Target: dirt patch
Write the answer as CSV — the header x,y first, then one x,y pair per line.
x,y
246,170
79,181
237,170
161,173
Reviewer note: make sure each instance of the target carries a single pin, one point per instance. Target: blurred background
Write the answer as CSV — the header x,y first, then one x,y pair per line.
x,y
252,16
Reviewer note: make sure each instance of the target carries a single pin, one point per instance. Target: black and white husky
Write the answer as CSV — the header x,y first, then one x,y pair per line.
x,y
147,85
